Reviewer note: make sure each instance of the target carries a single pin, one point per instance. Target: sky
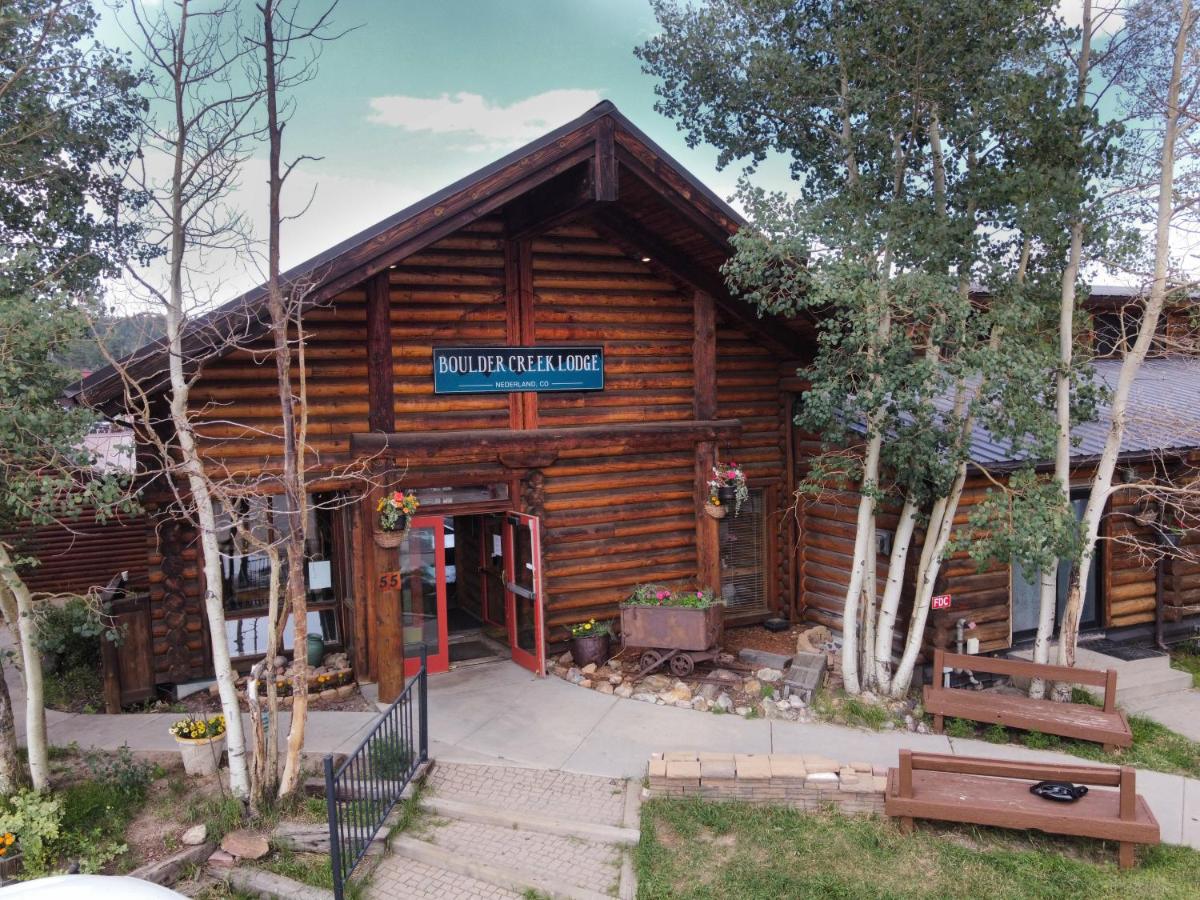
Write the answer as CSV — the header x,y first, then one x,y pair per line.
x,y
420,93
424,92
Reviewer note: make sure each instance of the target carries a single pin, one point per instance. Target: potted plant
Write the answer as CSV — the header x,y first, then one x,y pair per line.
x,y
590,641
726,489
395,513
201,743
10,856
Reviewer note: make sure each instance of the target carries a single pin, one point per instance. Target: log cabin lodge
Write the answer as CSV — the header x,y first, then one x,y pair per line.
x,y
545,353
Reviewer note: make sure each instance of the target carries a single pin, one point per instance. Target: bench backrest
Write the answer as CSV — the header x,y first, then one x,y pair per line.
x,y
1022,669
1123,777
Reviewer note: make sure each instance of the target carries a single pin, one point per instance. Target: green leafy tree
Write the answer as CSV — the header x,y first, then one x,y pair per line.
x,y
921,138
68,109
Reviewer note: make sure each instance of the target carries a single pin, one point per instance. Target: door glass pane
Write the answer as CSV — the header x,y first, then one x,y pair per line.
x,y
419,591
1026,598
525,598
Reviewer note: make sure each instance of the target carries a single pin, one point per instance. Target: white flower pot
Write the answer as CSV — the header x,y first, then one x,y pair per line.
x,y
201,756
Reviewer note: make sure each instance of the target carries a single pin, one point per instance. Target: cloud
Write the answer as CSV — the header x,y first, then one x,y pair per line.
x,y
487,126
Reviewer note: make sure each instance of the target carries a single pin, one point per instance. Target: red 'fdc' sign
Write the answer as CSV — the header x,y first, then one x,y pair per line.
x,y
941,601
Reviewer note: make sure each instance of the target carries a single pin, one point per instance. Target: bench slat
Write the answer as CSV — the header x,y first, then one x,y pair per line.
x,y
1021,668
1075,720
1007,803
1108,776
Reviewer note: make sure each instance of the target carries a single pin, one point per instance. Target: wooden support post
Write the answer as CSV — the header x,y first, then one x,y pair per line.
x,y
604,164
381,402
1127,812
704,407
518,292
1110,690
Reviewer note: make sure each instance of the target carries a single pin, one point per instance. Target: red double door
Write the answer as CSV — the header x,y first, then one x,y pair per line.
x,y
422,592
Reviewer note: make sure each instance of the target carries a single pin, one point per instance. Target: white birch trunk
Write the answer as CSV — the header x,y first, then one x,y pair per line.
x,y
31,669
885,630
1103,479
1048,581
931,565
866,515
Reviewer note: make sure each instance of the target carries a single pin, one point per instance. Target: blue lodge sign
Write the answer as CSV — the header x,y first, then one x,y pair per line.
x,y
487,370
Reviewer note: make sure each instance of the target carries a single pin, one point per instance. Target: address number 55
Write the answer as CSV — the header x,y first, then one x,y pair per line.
x,y
389,581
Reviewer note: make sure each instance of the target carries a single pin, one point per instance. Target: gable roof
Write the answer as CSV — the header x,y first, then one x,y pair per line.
x,y
700,225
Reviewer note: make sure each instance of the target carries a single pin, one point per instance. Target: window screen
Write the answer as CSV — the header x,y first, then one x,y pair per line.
x,y
744,557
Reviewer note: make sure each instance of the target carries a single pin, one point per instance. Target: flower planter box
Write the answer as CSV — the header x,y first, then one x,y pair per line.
x,y
590,649
672,627
10,866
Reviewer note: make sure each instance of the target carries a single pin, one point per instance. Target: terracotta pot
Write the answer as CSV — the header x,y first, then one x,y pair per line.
x,y
592,649
201,756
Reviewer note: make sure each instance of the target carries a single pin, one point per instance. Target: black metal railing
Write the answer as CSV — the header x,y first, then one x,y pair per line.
x,y
362,791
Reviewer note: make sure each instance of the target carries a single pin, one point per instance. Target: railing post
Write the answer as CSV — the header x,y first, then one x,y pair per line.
x,y
335,845
422,689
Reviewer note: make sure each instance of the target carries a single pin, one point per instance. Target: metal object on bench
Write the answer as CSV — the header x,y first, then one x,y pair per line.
x,y
995,792
1107,726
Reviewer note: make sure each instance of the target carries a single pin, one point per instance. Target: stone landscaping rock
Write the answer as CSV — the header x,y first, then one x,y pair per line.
x,y
680,691
709,691
614,680
574,675
222,859
245,844
194,836
604,688
771,709
699,703
768,674
764,658
795,702
624,690
742,710
656,683
566,660
922,728
588,669
724,701
585,682
726,676
646,697
752,686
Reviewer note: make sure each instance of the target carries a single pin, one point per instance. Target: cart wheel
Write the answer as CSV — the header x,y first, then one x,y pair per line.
x,y
649,661
682,665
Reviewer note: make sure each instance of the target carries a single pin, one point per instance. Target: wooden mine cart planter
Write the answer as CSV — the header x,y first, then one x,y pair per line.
x,y
679,636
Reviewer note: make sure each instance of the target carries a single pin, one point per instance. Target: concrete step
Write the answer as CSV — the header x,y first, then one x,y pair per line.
x,y
1149,690
514,873
520,820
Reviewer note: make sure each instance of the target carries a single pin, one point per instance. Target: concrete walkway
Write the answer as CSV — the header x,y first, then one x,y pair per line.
x,y
502,713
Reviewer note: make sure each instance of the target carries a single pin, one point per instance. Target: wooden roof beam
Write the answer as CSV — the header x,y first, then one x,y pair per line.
x,y
491,444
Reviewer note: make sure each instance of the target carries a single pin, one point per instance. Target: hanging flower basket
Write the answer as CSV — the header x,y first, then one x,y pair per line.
x,y
395,515
727,489
716,510
393,538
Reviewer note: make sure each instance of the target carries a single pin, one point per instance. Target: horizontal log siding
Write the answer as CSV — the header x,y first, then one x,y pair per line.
x,y
586,291
449,294
827,548
1128,576
748,390
83,553
611,523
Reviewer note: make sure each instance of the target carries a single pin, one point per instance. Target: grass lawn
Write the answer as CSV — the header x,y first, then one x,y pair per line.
x,y
694,849
1186,658
1155,746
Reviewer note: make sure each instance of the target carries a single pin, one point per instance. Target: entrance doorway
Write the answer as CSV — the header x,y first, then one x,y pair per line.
x,y
470,589
1026,590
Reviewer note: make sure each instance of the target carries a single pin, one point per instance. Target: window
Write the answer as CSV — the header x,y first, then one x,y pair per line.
x,y
1114,331
1027,592
743,545
246,571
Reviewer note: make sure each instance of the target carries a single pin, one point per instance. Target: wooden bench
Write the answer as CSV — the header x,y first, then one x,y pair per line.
x,y
1107,726
996,792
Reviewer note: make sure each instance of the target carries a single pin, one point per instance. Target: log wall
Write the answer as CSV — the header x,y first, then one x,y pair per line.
x,y
83,554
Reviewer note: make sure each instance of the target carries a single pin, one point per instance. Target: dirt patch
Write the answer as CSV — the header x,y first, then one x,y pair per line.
x,y
756,637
